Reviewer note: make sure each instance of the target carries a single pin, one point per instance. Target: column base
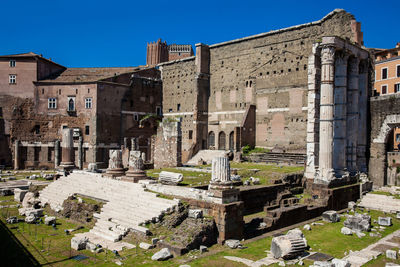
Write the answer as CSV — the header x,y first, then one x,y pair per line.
x,y
115,172
134,176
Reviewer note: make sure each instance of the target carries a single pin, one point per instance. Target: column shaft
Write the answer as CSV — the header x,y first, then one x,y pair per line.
x,y
16,155
314,83
326,114
362,118
340,113
352,114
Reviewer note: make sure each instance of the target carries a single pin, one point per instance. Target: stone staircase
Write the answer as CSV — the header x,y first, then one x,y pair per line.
x,y
206,155
127,205
380,202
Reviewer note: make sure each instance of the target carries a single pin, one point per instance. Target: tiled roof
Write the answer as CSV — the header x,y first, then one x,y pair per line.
x,y
89,74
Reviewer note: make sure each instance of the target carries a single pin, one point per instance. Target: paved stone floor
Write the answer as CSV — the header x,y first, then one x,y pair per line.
x,y
358,258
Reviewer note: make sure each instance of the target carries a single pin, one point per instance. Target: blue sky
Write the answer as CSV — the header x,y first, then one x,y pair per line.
x,y
101,33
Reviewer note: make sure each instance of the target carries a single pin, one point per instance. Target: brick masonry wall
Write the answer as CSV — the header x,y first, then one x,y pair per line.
x,y
269,71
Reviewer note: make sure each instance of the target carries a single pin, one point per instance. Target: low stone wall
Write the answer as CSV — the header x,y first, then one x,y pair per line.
x,y
227,217
282,158
254,198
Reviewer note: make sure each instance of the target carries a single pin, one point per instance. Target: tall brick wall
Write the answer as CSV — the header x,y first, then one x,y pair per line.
x,y
267,70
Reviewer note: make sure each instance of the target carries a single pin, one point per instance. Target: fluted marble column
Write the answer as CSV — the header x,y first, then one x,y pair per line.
x,y
115,167
362,116
314,74
352,114
340,113
326,114
136,168
221,172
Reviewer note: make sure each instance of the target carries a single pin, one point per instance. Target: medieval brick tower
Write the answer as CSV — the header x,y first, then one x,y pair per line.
x,y
159,52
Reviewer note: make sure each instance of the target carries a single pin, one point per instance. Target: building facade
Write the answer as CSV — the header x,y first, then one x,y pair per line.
x,y
17,74
387,81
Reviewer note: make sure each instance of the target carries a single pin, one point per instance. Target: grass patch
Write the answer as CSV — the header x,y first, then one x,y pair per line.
x,y
190,178
266,173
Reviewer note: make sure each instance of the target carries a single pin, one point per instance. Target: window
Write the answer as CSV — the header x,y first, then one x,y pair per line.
x,y
12,79
88,102
384,73
397,88
190,134
52,103
178,107
398,138
398,70
87,129
384,89
12,63
36,129
136,117
170,110
158,111
71,103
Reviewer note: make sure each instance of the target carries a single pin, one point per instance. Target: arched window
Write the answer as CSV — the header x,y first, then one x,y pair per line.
x,y
71,104
221,141
211,140
231,141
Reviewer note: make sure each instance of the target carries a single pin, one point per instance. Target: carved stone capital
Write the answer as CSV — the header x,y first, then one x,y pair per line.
x,y
328,54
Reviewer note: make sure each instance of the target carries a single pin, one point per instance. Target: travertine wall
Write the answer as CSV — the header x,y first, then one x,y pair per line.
x,y
268,70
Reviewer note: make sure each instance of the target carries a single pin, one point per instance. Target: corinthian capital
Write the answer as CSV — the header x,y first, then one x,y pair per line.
x,y
328,54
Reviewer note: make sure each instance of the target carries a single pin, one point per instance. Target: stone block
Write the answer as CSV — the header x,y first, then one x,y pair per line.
x,y
233,243
346,231
391,254
79,242
385,221
289,246
340,263
19,194
196,214
50,220
352,205
358,222
203,249
12,220
154,241
162,255
331,216
322,264
307,227
30,219
145,246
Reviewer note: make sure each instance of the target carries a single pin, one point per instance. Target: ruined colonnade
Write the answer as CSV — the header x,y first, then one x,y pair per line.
x,y
337,110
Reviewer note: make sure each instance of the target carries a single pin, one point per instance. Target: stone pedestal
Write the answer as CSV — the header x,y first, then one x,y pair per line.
x,y
136,168
67,149
221,185
115,168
